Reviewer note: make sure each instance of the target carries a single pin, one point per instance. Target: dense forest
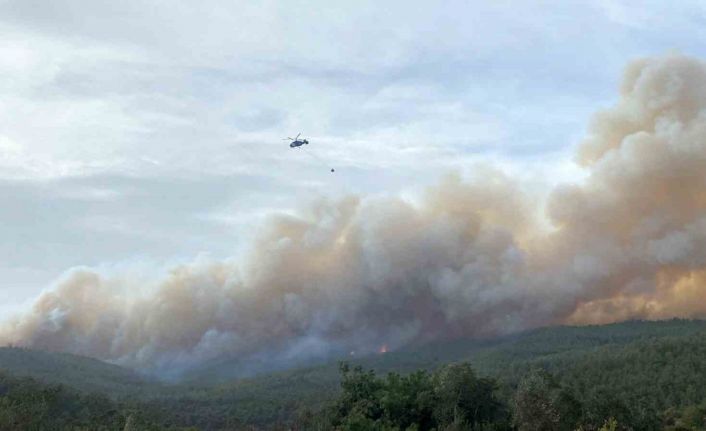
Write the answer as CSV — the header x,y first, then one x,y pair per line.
x,y
628,376
26,404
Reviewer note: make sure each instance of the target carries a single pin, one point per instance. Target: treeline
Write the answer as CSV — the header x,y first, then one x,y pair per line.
x,y
643,375
455,398
657,365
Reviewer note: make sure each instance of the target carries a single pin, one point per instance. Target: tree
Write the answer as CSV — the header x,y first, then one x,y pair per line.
x,y
408,401
609,425
541,404
453,398
464,397
602,406
360,397
129,424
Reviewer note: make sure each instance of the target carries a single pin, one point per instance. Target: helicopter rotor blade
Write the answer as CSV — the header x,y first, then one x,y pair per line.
x,y
297,136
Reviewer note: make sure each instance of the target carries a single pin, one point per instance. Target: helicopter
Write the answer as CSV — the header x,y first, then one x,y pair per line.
x,y
296,142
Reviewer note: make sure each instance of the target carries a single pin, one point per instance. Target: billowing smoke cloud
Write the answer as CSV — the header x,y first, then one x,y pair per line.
x,y
469,259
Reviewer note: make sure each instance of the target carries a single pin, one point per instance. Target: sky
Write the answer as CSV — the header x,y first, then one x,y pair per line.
x,y
138,134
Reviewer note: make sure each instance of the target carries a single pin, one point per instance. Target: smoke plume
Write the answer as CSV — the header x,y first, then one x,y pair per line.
x,y
469,259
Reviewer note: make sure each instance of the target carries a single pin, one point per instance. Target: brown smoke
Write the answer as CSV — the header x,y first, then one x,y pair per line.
x,y
469,259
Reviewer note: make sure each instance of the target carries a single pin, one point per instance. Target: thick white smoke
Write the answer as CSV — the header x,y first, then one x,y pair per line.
x,y
468,259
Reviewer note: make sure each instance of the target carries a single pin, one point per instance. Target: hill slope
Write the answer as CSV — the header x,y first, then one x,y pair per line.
x,y
647,365
596,357
85,374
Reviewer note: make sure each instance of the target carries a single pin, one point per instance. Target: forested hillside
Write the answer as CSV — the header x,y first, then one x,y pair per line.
x,y
646,375
26,404
601,358
82,373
